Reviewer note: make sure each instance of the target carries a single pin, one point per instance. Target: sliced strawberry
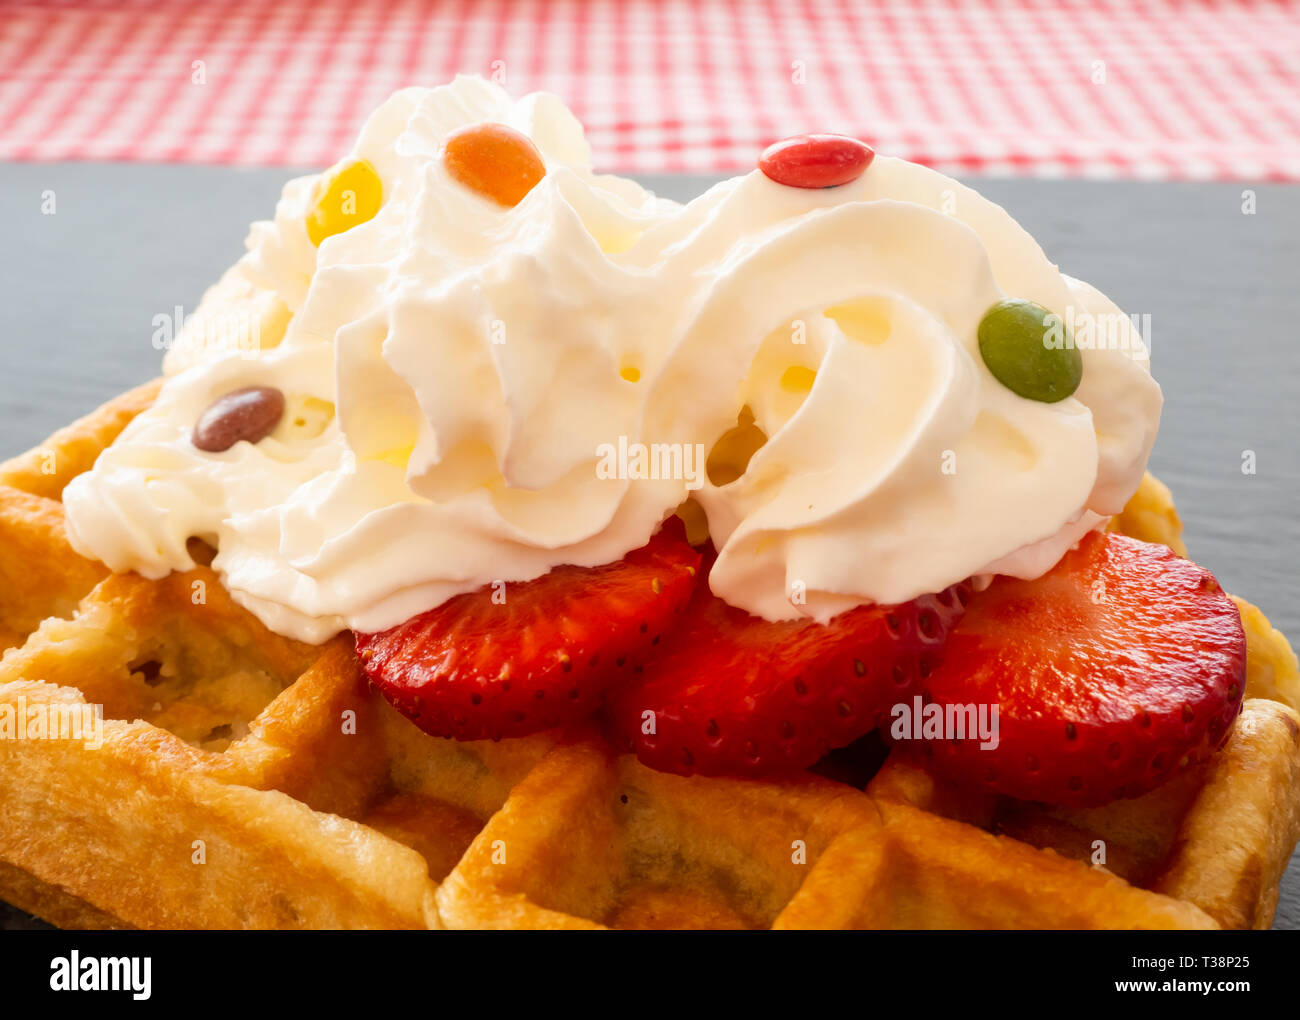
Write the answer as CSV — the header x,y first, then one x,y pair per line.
x,y
732,694
476,668
1112,671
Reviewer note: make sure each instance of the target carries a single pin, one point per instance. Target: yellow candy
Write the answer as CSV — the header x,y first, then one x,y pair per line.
x,y
350,195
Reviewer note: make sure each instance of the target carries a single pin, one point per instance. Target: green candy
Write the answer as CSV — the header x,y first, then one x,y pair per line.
x,y
1029,351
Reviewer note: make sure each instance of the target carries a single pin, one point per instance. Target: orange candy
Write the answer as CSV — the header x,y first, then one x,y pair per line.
x,y
496,161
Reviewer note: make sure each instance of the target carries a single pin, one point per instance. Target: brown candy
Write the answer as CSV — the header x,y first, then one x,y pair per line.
x,y
249,413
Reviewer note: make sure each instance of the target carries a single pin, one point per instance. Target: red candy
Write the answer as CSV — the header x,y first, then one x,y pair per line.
x,y
816,161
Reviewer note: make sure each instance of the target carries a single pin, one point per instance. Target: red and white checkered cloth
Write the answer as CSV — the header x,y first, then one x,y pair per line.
x,y
1192,89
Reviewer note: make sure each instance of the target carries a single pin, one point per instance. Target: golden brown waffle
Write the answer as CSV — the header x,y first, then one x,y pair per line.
x,y
247,780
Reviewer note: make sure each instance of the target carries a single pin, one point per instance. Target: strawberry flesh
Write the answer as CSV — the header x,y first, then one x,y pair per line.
x,y
1118,667
733,694
479,667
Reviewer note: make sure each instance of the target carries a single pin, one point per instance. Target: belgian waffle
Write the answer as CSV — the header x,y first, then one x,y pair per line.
x,y
247,780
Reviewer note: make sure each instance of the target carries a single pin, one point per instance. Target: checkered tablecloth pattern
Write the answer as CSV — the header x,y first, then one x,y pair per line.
x,y
1149,88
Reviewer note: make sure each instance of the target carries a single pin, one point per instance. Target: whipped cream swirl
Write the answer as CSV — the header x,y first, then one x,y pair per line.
x,y
453,370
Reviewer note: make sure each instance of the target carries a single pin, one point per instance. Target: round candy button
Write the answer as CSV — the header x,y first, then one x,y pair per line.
x,y
249,413
345,197
1029,351
496,161
816,161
